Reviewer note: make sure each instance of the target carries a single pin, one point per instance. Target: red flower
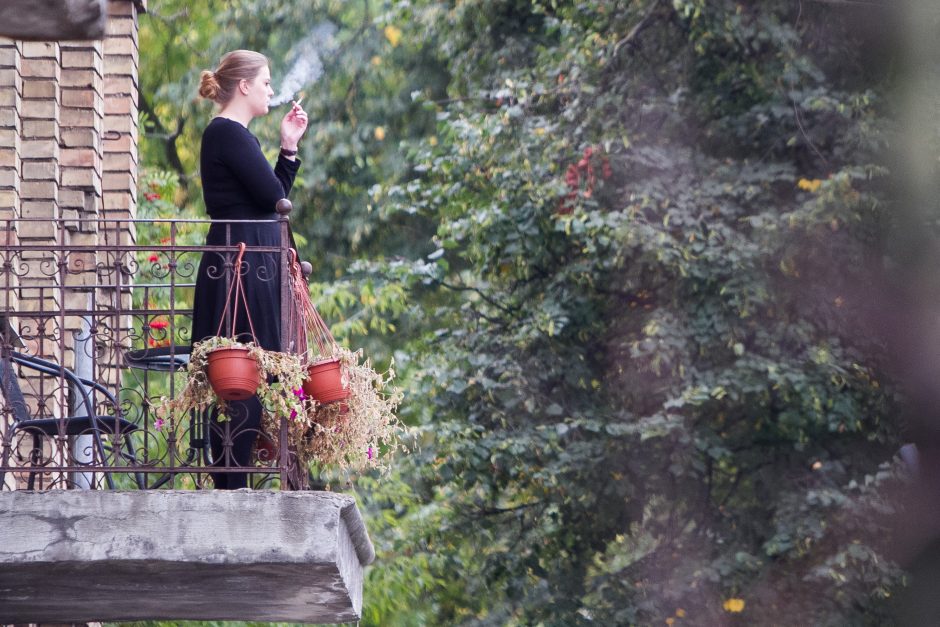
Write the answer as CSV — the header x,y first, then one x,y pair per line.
x,y
151,196
153,258
159,324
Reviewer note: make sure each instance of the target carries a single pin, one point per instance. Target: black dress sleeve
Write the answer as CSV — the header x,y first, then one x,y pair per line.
x,y
242,156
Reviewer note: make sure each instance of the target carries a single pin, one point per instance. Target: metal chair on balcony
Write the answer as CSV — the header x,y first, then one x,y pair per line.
x,y
161,358
110,435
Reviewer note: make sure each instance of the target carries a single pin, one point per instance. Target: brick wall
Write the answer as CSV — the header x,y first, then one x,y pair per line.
x,y
68,151
11,96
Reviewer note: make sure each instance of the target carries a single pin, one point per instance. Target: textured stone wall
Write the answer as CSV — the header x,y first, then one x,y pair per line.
x,y
174,555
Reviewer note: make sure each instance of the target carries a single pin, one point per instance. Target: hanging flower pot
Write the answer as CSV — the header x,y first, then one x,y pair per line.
x,y
352,413
325,381
233,373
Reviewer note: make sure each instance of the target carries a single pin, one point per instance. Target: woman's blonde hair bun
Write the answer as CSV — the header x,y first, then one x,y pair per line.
x,y
208,85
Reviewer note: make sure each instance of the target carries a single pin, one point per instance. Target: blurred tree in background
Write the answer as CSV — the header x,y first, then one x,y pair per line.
x,y
627,256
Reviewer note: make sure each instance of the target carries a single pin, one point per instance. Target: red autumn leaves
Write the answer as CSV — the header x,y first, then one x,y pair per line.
x,y
581,177
154,257
158,324
153,195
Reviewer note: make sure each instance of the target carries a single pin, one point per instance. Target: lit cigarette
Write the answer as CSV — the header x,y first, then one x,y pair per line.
x,y
297,102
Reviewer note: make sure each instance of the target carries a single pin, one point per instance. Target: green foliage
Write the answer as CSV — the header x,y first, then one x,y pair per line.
x,y
622,254
652,387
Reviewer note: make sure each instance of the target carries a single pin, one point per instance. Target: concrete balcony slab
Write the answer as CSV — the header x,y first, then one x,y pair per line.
x,y
83,556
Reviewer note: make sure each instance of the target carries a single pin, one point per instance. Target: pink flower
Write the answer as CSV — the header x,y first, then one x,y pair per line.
x,y
299,393
293,414
370,453
158,424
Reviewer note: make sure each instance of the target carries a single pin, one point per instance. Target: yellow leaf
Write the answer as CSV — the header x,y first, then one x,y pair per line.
x,y
733,605
393,34
379,133
680,612
810,185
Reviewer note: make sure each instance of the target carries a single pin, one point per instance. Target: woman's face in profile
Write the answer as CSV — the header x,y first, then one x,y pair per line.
x,y
260,92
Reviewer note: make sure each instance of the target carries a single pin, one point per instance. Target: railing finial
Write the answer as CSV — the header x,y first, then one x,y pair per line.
x,y
284,207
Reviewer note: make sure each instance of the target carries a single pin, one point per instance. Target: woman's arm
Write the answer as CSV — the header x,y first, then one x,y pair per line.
x,y
241,153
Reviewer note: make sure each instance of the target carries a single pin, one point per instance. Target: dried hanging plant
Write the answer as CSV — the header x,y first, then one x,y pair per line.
x,y
361,431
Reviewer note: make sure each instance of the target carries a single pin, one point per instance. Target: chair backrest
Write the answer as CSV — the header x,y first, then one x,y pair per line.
x,y
12,394
86,422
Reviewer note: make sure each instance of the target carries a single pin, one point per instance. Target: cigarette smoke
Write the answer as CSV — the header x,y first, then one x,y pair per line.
x,y
308,61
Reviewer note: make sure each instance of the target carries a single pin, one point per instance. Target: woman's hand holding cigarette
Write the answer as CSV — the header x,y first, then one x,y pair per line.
x,y
293,126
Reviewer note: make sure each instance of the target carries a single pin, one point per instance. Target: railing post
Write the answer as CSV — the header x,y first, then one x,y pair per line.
x,y
284,207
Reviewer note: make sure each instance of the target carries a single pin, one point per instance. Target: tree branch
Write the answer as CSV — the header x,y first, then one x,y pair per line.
x,y
851,3
637,29
496,511
467,288
799,124
168,139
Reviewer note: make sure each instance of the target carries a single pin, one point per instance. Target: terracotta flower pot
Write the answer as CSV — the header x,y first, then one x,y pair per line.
x,y
325,381
233,373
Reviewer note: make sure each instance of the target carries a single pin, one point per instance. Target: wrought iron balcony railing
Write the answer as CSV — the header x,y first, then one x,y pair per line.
x,y
96,320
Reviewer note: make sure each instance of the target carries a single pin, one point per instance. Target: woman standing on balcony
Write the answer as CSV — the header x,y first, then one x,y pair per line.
x,y
238,183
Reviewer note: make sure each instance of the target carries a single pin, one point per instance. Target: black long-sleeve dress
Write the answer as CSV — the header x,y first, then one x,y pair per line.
x,y
239,184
